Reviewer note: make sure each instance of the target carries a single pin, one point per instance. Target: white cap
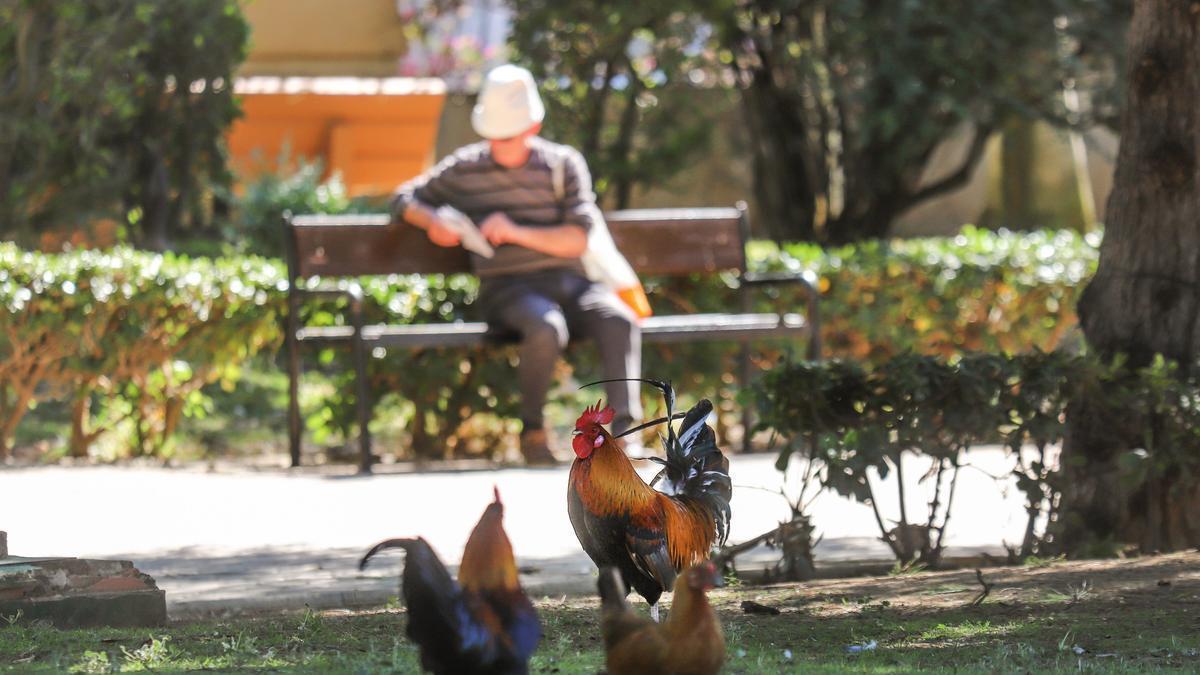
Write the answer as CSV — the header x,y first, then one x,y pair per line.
x,y
508,104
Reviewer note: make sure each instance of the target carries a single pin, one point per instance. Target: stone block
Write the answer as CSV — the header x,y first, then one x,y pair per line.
x,y
73,592
121,610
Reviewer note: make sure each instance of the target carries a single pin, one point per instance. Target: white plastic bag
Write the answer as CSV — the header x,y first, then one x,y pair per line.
x,y
602,261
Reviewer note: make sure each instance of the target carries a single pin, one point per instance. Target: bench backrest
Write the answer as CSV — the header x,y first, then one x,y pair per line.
x,y
655,241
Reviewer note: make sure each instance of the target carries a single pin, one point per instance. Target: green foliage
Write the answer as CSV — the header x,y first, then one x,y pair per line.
x,y
844,101
115,111
255,223
978,291
453,385
847,420
617,83
922,296
145,330
848,100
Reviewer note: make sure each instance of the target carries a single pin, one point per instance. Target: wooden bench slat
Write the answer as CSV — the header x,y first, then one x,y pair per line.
x,y
655,241
740,327
683,328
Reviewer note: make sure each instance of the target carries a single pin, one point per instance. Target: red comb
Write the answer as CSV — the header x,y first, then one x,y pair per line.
x,y
594,415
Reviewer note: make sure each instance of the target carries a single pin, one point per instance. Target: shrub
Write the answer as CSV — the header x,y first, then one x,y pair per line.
x,y
844,420
979,291
302,187
150,329
920,296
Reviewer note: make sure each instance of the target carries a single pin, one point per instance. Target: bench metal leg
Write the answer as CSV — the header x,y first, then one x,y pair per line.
x,y
747,412
744,376
362,403
293,359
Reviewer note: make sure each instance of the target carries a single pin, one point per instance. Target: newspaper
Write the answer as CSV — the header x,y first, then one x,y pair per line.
x,y
472,239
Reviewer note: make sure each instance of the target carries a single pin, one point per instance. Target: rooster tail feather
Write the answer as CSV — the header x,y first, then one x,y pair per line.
x,y
426,581
405,544
665,387
696,467
646,425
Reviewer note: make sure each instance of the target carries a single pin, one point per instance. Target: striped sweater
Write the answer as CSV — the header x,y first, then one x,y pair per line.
x,y
472,182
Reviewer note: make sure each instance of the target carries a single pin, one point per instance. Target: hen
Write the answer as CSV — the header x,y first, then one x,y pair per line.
x,y
647,534
689,642
484,623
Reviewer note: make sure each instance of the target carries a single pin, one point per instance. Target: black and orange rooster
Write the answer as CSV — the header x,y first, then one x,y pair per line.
x,y
484,623
689,642
647,534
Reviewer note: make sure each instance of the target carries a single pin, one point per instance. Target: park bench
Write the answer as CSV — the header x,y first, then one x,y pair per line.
x,y
657,242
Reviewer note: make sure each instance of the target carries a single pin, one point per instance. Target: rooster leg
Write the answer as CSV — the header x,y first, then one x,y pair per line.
x,y
654,612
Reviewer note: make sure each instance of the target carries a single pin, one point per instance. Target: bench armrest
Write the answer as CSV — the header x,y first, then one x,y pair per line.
x,y
806,281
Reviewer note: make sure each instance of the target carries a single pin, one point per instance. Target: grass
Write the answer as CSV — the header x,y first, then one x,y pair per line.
x,y
1135,616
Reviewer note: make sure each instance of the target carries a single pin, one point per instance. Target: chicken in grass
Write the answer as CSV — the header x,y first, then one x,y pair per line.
x,y
648,534
689,642
483,623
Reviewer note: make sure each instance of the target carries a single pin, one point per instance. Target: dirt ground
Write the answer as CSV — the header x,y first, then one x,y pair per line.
x,y
1151,582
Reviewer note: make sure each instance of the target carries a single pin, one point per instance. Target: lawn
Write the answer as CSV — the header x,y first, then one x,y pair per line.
x,y
1107,616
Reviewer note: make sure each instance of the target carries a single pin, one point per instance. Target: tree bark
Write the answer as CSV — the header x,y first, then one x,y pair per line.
x,y
781,169
1145,296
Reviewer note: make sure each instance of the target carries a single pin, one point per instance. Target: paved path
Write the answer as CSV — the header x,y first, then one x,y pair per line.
x,y
244,540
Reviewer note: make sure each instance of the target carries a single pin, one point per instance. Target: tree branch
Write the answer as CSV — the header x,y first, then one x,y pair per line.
x,y
958,177
987,588
887,537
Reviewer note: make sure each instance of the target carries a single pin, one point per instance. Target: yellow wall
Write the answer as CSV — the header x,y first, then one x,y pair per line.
x,y
323,37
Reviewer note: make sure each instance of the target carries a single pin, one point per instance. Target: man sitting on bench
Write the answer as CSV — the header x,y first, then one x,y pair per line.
x,y
534,283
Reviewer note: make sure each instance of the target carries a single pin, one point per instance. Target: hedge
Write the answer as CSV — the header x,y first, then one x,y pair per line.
x,y
844,419
152,329
983,291
149,329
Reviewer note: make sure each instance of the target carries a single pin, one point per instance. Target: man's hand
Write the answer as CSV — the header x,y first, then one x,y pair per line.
x,y
424,217
499,229
442,235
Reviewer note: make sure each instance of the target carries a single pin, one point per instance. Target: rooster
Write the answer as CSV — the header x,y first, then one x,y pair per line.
x,y
647,534
484,623
690,641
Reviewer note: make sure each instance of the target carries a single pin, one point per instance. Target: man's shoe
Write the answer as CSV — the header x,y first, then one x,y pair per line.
x,y
535,447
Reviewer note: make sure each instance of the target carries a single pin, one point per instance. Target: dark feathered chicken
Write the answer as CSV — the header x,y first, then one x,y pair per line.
x,y
483,623
647,534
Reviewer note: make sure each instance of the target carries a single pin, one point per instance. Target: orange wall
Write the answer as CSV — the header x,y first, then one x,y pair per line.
x,y
318,80
376,132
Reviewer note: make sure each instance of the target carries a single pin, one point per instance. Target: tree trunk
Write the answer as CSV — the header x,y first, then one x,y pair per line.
x,y
1018,161
1144,298
781,171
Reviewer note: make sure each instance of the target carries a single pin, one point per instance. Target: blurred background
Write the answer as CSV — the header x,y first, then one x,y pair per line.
x,y
148,148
